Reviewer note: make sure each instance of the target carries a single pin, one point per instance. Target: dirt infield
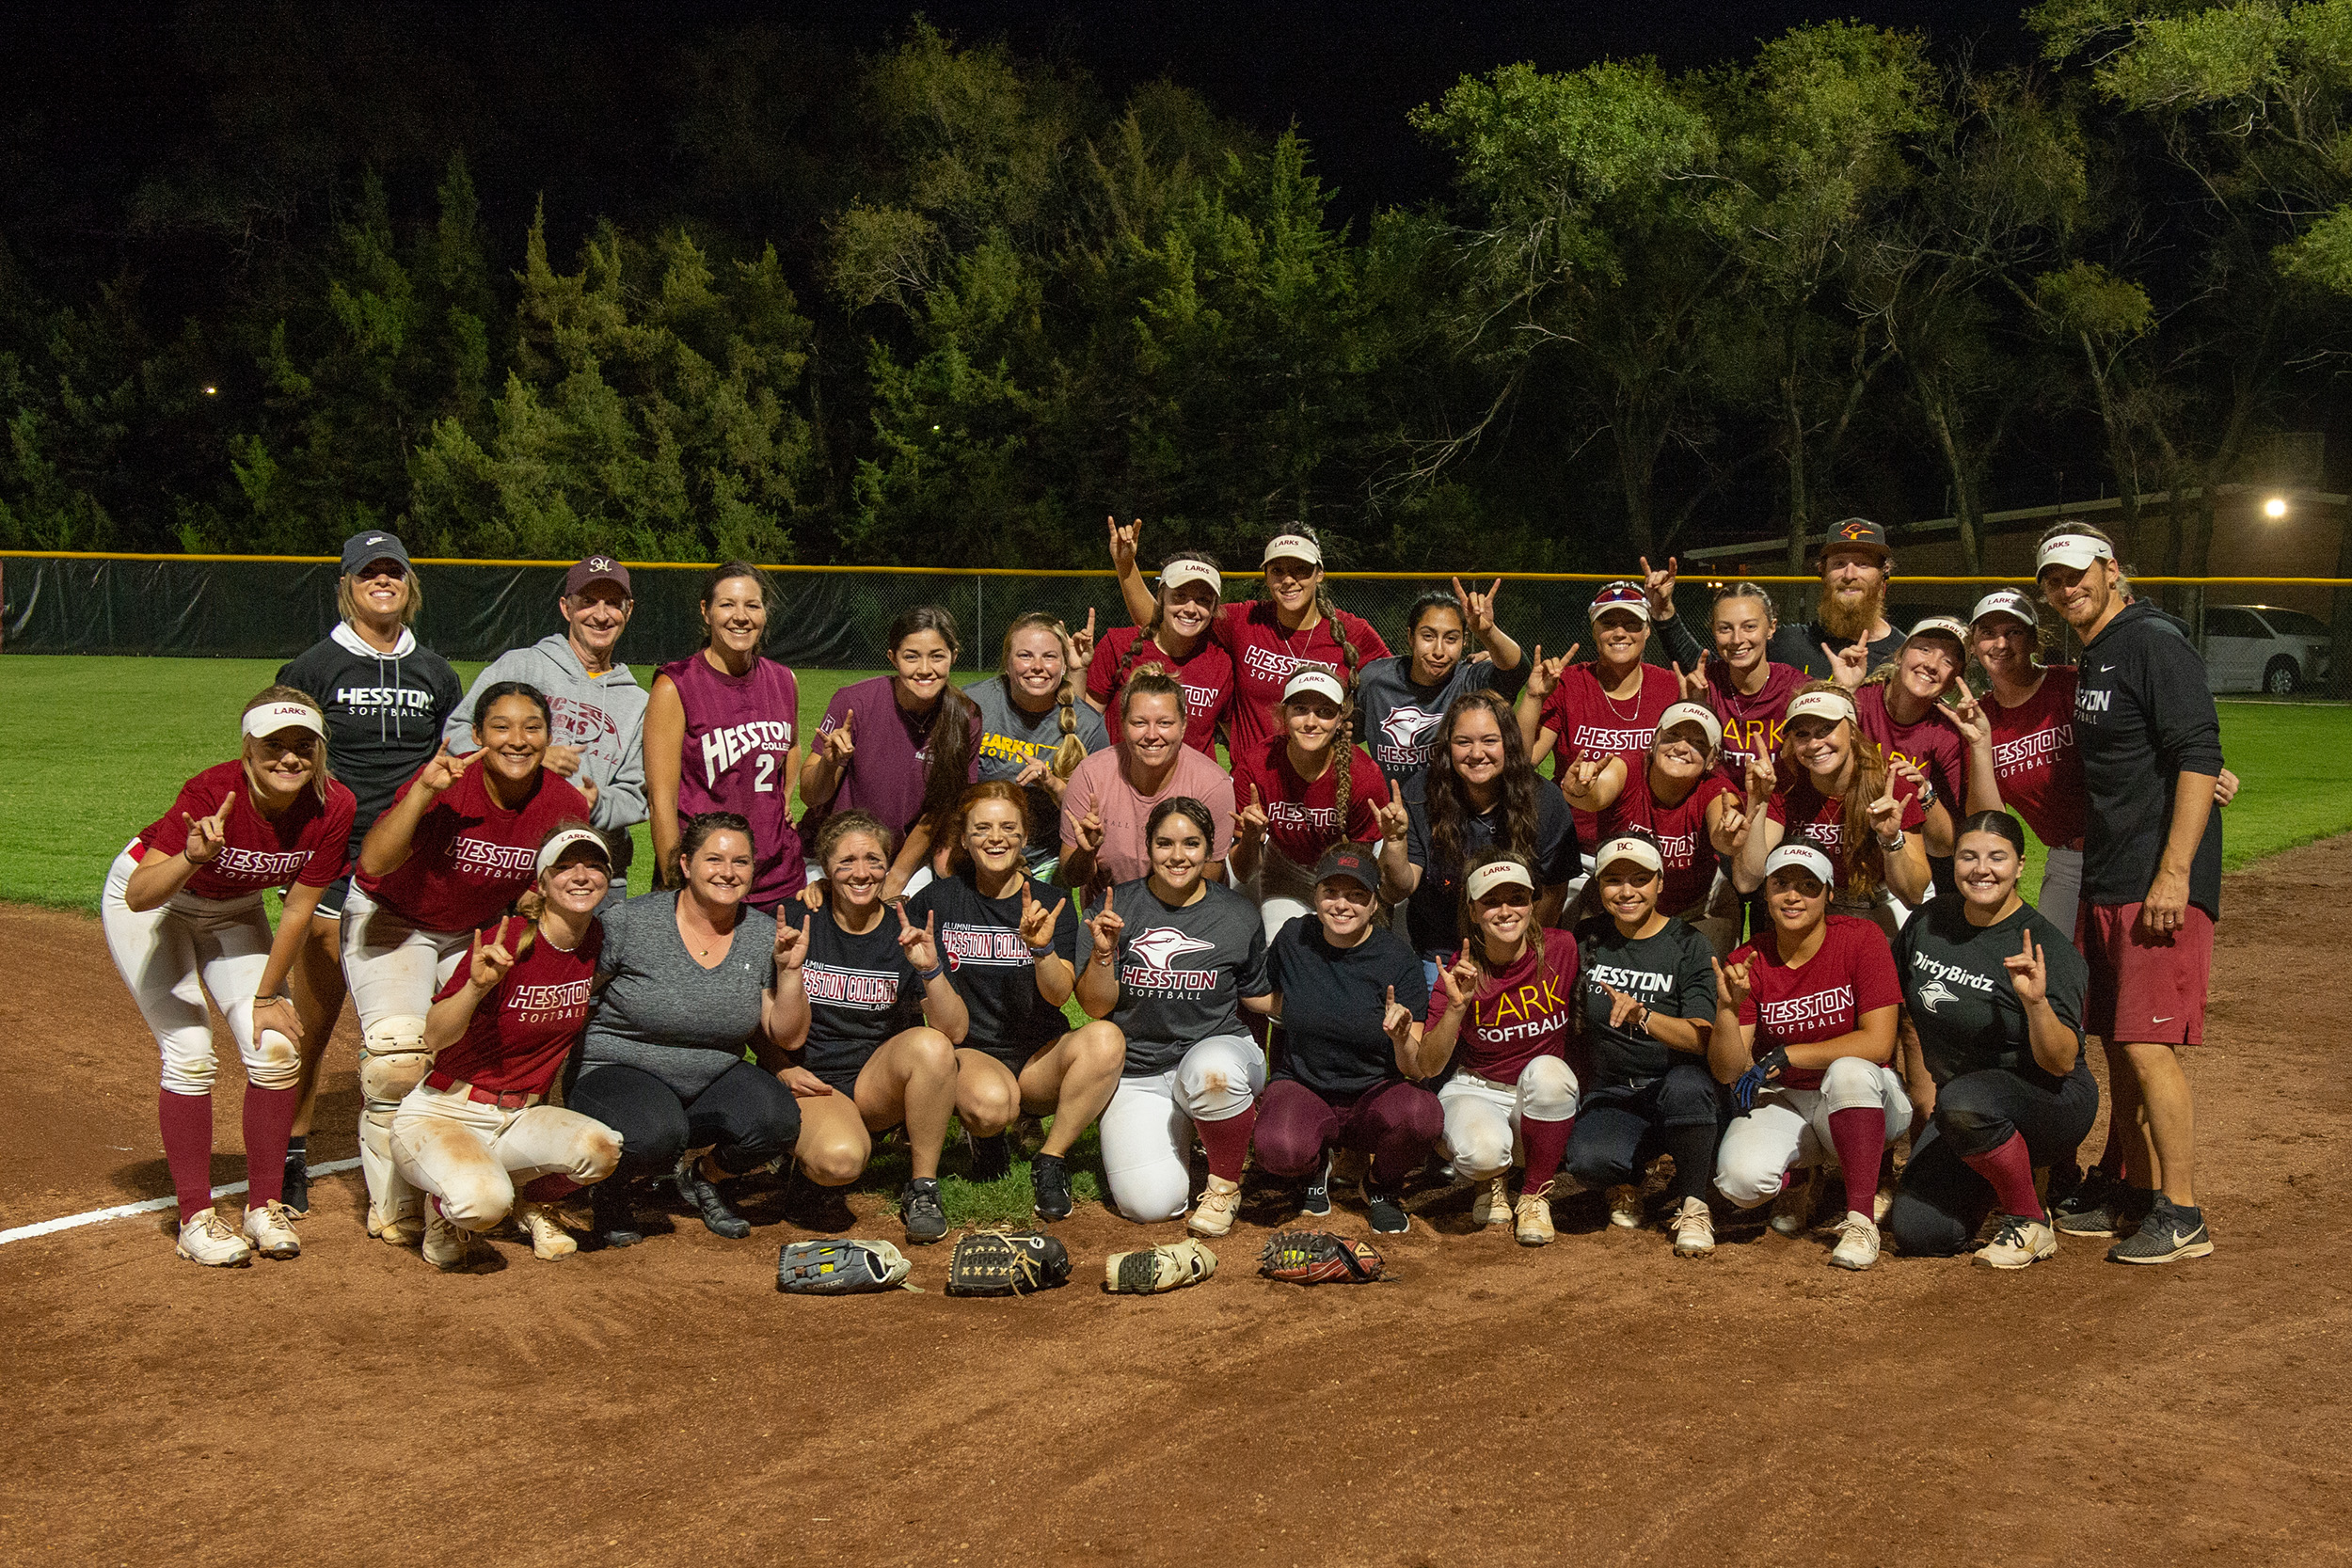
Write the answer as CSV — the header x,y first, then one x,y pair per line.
x,y
1594,1401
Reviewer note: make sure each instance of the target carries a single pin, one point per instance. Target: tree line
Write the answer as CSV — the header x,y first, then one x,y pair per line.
x,y
942,302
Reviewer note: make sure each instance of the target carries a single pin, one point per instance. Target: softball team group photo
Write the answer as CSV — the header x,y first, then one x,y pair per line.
x,y
1235,888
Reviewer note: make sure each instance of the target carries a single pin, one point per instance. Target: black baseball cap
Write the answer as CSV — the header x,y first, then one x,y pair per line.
x,y
1349,860
596,568
1856,533
374,545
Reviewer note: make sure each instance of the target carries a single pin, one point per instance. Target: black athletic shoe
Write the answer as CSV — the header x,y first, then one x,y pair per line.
x,y
1314,1198
992,1157
615,1221
2168,1234
297,1194
1388,1217
2103,1206
1049,1180
918,1207
702,1197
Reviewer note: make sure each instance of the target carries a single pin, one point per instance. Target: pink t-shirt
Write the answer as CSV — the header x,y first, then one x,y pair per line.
x,y
2034,757
1265,656
1302,818
303,844
1852,974
1206,676
1591,722
1100,785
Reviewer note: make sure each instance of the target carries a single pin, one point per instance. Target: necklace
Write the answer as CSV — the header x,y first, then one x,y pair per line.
x,y
1620,715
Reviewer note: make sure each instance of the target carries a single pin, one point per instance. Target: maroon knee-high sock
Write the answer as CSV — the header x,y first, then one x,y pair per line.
x,y
2010,1168
1859,1135
268,1123
187,1123
1547,1146
1228,1143
551,1188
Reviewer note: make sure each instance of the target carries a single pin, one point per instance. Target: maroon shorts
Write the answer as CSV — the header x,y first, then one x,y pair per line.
x,y
2145,987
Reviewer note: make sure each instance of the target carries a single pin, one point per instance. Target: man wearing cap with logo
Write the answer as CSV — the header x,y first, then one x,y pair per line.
x,y
2150,741
597,709
1855,567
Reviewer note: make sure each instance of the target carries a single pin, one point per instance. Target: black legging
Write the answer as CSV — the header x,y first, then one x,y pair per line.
x,y
746,1116
1940,1201
1618,1126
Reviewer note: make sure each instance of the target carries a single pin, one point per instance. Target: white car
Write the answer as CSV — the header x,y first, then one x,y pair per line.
x,y
2259,647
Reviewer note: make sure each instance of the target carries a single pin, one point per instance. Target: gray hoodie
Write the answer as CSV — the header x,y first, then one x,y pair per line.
x,y
603,716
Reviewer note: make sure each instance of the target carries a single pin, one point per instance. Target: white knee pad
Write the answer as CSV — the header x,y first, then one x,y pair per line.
x,y
1548,1090
392,1061
1851,1084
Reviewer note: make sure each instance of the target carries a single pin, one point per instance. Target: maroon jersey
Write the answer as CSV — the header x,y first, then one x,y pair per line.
x,y
1751,723
2034,757
1680,830
1932,746
469,856
1302,818
1590,722
1852,974
1519,1015
1265,656
305,842
521,1032
1819,820
740,731
1206,674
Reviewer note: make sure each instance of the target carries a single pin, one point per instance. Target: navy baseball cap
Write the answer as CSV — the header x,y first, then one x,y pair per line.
x,y
374,545
1349,860
596,568
1857,534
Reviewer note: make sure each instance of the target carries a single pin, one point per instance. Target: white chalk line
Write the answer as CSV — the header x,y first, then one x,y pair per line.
x,y
152,1205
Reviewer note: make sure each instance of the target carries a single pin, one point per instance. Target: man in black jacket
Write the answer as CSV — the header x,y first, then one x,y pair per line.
x,y
2150,741
1849,635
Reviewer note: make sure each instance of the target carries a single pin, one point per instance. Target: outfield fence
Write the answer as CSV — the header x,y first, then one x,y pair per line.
x,y
827,617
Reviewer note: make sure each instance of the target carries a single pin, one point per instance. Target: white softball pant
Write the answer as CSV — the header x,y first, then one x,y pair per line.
x,y
473,1156
1483,1118
1284,891
393,968
171,956
2061,889
1789,1128
1146,1128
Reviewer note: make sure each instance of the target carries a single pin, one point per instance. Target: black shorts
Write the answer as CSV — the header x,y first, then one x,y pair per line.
x,y
330,905
1014,1057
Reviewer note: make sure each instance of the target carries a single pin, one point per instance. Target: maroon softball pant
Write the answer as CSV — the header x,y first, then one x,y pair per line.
x,y
1396,1123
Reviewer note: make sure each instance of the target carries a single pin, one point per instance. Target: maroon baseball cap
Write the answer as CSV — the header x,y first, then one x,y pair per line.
x,y
596,568
1857,534
1349,860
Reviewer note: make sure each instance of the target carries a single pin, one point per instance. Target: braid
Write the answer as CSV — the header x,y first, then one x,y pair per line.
x,y
1071,751
1344,764
1144,639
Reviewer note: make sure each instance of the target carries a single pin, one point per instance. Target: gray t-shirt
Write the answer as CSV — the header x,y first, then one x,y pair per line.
x,y
661,1011
1183,971
1009,737
1397,721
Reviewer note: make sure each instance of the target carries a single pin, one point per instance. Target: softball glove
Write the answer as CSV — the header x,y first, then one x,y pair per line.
x,y
1318,1257
841,1268
1160,1268
1002,1263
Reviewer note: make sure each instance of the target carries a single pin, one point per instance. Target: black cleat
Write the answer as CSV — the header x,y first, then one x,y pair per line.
x,y
992,1157
2169,1234
702,1196
297,1193
1049,1181
919,1209
615,1223
1387,1217
1314,1198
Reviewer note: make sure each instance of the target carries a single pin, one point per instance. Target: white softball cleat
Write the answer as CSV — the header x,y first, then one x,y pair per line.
x,y
1219,1208
205,1238
1624,1207
1533,1217
407,1230
548,1239
1493,1206
446,1246
1857,1242
270,1228
1694,1229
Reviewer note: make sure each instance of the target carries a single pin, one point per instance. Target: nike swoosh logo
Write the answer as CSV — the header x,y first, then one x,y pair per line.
x,y
2181,1241
2167,1019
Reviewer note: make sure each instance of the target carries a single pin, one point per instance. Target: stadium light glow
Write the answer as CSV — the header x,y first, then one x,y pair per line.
x,y
2275,508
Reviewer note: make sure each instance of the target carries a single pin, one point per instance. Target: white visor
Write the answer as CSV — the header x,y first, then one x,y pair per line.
x,y
2005,601
270,717
1495,874
1292,546
1692,713
1944,623
570,838
1804,857
1178,573
1832,705
1315,678
1641,851
2078,551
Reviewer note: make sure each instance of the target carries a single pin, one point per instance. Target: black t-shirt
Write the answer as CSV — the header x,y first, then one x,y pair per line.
x,y
1672,973
1183,972
1960,995
861,991
1333,1002
1435,904
990,966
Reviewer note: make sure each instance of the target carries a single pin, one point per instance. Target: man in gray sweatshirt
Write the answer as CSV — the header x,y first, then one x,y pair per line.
x,y
598,709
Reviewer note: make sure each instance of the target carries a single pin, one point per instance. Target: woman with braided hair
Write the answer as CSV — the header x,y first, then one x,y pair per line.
x,y
1844,797
1295,623
1299,795
1034,732
1175,637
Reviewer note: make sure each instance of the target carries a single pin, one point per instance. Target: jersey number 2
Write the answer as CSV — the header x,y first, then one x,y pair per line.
x,y
765,780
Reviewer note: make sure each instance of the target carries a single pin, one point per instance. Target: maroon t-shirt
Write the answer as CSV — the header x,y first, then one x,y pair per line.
x,y
305,842
1852,974
1265,656
1932,746
521,1033
471,857
1302,818
735,756
1590,722
893,748
1819,820
2034,757
1525,1012
1751,723
1680,830
1206,674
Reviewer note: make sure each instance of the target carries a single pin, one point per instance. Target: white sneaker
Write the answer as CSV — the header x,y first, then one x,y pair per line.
x,y
1694,1229
1624,1207
1792,1211
205,1238
1534,1217
548,1239
407,1230
1219,1208
1857,1242
1492,1206
446,1246
2019,1243
270,1228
